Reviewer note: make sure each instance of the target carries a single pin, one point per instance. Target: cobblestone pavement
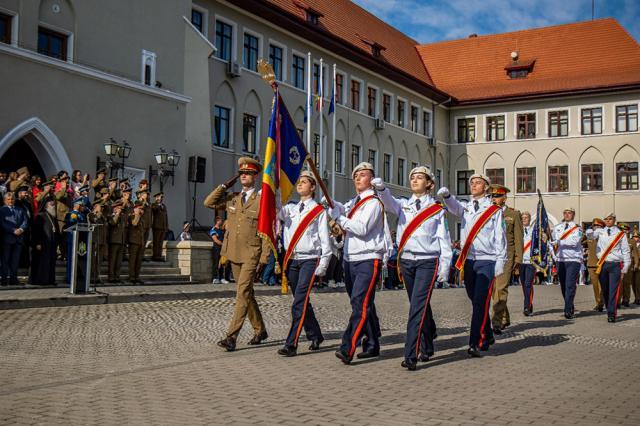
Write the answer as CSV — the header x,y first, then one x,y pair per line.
x,y
157,363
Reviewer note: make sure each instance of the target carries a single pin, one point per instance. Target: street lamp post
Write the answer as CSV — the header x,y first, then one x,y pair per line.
x,y
112,150
167,163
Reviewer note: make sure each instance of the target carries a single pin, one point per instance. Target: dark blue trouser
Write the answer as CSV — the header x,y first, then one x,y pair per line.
x,y
479,278
527,277
360,281
300,277
568,275
610,279
419,277
11,261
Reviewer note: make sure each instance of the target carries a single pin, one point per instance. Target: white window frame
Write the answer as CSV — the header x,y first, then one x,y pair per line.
x,y
406,170
231,147
418,118
342,172
205,18
429,132
568,191
615,117
455,127
304,73
391,168
603,124
546,122
247,31
345,86
603,174
285,61
485,128
361,100
391,106
234,37
258,127
455,184
376,161
515,126
615,176
15,22
351,166
406,112
376,107
69,34
146,57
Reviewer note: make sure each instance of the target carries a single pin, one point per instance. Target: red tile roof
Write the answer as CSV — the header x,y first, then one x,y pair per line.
x,y
568,58
361,29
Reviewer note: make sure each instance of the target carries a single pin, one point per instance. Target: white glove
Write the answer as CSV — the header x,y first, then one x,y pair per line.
x,y
378,184
320,271
499,269
443,276
443,192
335,212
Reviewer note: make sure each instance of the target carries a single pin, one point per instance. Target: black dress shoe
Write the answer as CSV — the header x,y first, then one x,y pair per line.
x,y
505,325
287,351
527,312
423,358
258,338
228,343
368,354
611,319
636,302
343,357
474,352
569,316
409,365
598,308
497,330
491,341
315,344
625,304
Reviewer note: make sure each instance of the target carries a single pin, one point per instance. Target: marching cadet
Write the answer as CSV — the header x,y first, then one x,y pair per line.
x,y
98,240
592,264
117,239
636,271
366,247
308,251
159,224
242,246
515,244
99,182
613,262
424,253
627,281
567,246
142,195
135,238
482,257
527,269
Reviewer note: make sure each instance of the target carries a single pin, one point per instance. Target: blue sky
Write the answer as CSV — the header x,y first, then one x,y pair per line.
x,y
428,21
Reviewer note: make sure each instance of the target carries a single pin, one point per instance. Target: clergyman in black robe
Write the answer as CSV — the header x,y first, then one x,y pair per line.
x,y
44,239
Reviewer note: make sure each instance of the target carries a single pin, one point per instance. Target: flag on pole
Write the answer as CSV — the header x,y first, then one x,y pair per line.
x,y
539,247
284,158
332,104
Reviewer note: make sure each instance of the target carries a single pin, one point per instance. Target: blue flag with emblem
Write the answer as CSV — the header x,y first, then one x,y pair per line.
x,y
539,248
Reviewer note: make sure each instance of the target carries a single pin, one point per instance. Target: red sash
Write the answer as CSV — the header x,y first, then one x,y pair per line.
x,y
568,232
300,230
526,246
359,204
415,223
473,233
608,250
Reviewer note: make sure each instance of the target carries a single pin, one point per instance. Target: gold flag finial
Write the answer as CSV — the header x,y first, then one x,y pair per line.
x,y
266,71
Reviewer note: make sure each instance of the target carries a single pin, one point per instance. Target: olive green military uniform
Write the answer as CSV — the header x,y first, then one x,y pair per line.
x,y
97,185
98,243
627,280
514,233
135,238
117,240
147,221
636,271
244,249
592,264
160,224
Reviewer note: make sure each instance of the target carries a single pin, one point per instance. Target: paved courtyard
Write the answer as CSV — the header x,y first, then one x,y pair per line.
x,y
157,363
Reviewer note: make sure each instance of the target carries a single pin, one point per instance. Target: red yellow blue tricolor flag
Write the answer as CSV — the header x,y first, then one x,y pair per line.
x,y
284,158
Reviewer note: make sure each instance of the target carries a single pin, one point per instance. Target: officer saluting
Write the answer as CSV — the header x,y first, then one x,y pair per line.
x,y
483,255
242,246
366,245
424,252
567,246
613,262
306,239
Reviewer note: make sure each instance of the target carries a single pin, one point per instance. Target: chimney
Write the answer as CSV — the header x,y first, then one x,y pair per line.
x,y
474,35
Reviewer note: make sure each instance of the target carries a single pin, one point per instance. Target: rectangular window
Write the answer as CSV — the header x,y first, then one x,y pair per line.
x,y
401,108
355,95
495,128
591,121
462,182
496,176
275,59
558,123
526,125
197,19
5,28
525,180
373,158
466,130
386,168
438,178
338,154
413,165
249,133
52,44
224,32
372,95
339,88
316,148
558,178
414,119
297,71
355,156
626,176
401,171
626,118
426,123
221,126
250,52
315,83
386,107
591,177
